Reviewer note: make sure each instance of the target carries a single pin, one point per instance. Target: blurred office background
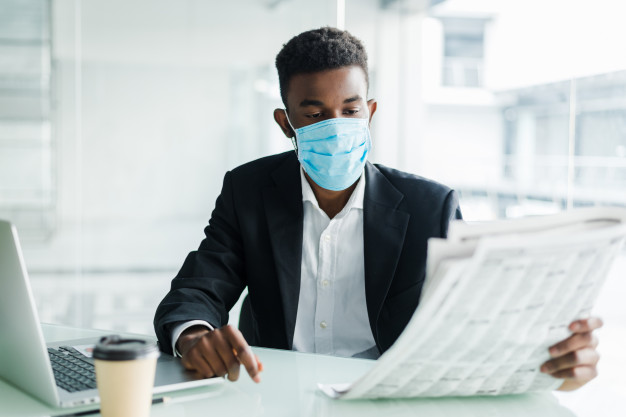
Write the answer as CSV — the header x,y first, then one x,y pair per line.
x,y
119,118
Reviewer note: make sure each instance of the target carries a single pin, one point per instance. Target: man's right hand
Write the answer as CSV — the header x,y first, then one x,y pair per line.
x,y
217,352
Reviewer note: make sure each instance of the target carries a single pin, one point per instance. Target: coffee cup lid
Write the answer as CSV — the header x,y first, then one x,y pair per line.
x,y
116,348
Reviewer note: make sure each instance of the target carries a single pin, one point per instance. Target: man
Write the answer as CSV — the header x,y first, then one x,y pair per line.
x,y
331,247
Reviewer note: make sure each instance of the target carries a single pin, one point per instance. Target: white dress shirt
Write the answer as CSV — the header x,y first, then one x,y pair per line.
x,y
332,312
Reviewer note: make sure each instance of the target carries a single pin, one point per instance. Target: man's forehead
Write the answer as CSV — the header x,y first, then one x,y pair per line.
x,y
347,84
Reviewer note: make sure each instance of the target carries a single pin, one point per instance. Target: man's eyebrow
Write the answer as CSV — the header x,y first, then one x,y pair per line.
x,y
352,99
307,102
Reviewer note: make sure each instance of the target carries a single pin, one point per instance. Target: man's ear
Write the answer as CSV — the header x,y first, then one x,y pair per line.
x,y
372,105
281,118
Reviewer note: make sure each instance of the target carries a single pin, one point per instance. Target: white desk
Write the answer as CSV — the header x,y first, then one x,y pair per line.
x,y
288,388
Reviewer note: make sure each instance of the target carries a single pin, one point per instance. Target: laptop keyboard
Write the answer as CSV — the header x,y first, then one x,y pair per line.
x,y
73,371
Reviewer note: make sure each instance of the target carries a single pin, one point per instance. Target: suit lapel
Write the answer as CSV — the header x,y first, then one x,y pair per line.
x,y
384,229
284,214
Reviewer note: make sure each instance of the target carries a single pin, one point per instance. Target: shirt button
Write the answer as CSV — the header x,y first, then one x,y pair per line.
x,y
323,325
325,283
327,238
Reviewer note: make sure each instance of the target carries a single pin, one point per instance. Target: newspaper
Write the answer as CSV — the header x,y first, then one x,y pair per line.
x,y
496,297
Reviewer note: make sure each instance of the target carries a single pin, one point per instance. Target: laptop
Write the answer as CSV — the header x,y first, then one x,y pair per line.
x,y
39,369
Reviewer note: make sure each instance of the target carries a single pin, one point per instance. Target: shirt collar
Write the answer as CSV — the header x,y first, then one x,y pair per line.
x,y
355,201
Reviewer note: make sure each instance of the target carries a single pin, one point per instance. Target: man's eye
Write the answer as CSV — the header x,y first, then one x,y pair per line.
x,y
314,115
351,112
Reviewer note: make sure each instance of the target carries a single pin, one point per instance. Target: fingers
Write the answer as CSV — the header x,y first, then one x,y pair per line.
x,y
224,354
586,325
580,374
575,378
575,358
573,343
564,365
243,352
194,361
575,368
210,353
221,352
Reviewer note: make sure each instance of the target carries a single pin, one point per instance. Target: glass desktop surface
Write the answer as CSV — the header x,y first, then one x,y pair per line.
x,y
289,388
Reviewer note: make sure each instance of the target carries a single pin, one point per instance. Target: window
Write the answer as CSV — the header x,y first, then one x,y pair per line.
x,y
463,52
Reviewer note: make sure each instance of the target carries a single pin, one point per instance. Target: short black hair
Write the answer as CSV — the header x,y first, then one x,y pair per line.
x,y
318,50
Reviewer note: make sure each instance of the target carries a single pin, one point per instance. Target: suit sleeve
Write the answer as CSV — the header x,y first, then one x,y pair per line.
x,y
211,279
451,211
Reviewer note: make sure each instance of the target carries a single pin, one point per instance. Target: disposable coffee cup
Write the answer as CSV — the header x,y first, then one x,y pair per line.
x,y
125,369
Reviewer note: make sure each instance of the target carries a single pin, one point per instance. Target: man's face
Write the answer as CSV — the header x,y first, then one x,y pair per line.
x,y
323,95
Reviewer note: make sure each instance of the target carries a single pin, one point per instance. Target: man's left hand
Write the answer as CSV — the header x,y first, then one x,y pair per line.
x,y
575,358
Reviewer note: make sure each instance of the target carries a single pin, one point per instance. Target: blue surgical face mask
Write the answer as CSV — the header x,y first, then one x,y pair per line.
x,y
333,152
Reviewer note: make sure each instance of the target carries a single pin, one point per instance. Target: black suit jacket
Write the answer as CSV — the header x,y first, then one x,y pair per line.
x,y
254,239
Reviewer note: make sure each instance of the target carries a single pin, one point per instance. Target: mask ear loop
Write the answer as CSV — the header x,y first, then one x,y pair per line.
x,y
293,139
